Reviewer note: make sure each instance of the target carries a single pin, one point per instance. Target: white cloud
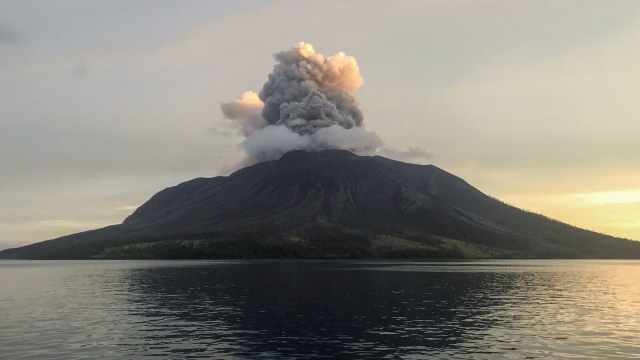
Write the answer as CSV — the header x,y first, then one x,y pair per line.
x,y
610,197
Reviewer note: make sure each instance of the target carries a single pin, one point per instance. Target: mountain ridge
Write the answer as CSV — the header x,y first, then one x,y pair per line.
x,y
338,190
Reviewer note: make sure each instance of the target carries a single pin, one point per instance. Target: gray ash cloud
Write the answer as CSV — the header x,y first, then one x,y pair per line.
x,y
308,103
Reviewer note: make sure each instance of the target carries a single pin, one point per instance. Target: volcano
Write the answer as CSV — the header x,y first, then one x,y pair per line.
x,y
373,198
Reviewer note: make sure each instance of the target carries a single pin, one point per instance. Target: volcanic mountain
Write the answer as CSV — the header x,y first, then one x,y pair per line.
x,y
370,197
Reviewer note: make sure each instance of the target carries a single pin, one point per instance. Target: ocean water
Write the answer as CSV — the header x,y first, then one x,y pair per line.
x,y
319,309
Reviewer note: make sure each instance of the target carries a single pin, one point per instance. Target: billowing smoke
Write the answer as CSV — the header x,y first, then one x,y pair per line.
x,y
246,112
299,72
308,103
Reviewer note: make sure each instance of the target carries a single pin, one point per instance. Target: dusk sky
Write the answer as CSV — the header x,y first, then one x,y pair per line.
x,y
104,103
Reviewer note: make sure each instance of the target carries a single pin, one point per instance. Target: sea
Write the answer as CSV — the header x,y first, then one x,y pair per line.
x,y
305,309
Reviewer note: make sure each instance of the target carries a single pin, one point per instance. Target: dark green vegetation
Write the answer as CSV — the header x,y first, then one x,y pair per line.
x,y
322,244
331,204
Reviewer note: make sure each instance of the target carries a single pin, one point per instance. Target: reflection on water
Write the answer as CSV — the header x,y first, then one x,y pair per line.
x,y
302,309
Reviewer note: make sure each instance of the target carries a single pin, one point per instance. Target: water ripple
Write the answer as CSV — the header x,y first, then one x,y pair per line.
x,y
314,309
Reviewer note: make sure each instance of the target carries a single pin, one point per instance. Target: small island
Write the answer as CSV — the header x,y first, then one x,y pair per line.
x,y
330,204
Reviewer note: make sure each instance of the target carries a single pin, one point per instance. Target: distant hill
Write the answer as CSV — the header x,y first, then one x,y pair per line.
x,y
310,204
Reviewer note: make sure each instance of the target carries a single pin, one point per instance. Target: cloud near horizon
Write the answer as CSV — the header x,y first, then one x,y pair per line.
x,y
9,36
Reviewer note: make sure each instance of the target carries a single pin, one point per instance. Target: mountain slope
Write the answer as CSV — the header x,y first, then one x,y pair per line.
x,y
357,194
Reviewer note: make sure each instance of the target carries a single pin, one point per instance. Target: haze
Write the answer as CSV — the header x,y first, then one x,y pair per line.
x,y
102,104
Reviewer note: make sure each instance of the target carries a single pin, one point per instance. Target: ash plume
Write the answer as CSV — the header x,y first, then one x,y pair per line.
x,y
308,103
408,154
300,71
246,112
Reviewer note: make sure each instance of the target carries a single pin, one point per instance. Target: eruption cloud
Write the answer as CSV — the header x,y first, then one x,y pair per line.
x,y
308,103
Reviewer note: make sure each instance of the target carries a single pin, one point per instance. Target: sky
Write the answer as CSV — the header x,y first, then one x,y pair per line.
x,y
104,103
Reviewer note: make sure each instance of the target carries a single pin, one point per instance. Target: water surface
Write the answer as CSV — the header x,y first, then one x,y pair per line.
x,y
333,309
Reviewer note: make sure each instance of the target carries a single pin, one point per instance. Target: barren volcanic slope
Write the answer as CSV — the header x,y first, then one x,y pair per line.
x,y
373,197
